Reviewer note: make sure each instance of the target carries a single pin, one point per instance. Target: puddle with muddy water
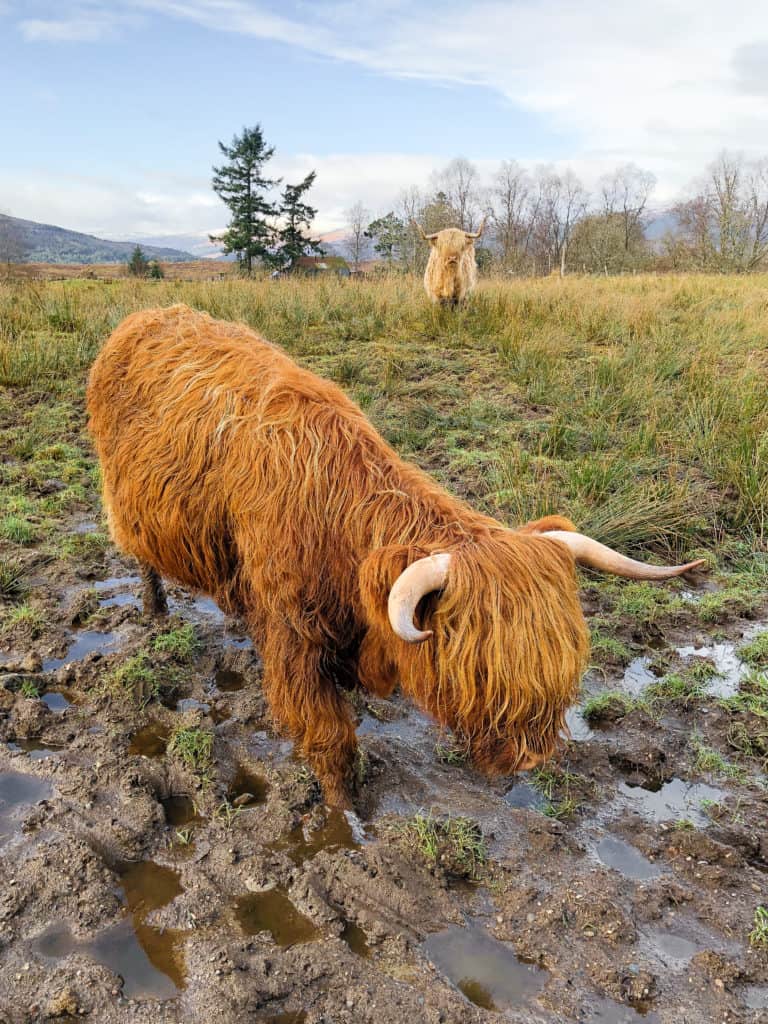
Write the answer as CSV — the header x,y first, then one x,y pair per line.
x,y
272,911
58,701
229,681
484,969
756,997
675,944
36,750
82,645
149,959
602,1010
524,795
115,582
180,810
354,936
18,794
247,788
191,704
624,858
302,844
673,801
151,740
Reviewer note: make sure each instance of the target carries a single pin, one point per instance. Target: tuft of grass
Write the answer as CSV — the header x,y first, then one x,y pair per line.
x,y
193,746
180,643
454,843
608,706
448,752
684,825
135,678
556,785
679,688
758,937
707,759
27,619
84,545
227,813
17,530
12,586
29,689
755,653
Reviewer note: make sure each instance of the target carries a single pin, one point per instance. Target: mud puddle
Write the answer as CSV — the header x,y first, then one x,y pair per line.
x,y
626,859
524,795
180,810
355,938
605,1011
151,740
83,644
36,750
486,971
149,959
676,944
247,788
756,997
58,701
676,800
18,793
229,681
272,911
335,833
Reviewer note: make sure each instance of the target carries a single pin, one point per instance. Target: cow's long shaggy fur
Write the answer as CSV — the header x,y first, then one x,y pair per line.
x,y
451,272
232,470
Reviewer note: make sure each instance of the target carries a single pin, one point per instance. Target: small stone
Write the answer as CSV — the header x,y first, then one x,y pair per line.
x,y
63,1005
719,983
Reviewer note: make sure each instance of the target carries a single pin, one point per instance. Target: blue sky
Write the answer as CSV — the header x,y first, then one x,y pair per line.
x,y
112,110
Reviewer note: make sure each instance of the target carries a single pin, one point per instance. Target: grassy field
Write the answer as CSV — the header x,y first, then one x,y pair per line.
x,y
636,406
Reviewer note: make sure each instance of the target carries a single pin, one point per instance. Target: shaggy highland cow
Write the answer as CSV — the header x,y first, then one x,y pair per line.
x,y
451,272
232,470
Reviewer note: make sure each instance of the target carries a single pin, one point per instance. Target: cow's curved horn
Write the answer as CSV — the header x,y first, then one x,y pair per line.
x,y
591,552
476,234
421,577
420,229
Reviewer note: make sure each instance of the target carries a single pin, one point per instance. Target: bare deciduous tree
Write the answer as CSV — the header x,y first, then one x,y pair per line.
x,y
560,203
510,214
356,244
625,194
460,183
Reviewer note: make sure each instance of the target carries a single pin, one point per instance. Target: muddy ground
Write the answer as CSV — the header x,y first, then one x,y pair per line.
x,y
142,881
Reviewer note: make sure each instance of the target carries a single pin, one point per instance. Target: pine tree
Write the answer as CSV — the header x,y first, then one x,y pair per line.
x,y
292,242
240,182
137,264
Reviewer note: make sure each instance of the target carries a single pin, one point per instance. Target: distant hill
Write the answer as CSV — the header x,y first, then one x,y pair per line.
x,y
200,246
46,243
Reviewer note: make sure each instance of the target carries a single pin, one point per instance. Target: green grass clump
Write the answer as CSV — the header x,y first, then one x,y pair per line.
x,y
608,706
85,545
455,844
679,688
194,748
755,653
12,586
758,937
17,530
29,689
136,678
556,785
707,759
26,619
180,643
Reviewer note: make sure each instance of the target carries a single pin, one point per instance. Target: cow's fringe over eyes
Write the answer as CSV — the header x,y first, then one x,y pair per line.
x,y
232,470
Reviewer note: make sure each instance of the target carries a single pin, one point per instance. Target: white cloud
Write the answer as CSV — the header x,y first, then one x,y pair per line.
x,y
657,83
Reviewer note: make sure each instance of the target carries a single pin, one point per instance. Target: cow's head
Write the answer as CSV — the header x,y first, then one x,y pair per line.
x,y
489,636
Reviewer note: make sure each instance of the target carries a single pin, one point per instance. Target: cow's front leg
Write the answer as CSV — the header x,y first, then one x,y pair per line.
x,y
306,703
153,594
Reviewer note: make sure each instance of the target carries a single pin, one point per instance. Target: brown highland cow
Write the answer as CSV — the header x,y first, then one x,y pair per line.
x,y
232,470
451,272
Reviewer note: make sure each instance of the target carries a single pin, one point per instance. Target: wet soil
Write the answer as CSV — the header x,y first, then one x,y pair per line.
x,y
621,888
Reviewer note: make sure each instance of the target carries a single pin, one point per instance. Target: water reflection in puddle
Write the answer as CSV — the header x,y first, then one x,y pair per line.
x,y
605,1011
190,704
36,750
673,950
730,667
116,581
18,793
83,644
58,700
625,859
756,997
151,740
302,844
272,911
577,725
485,970
148,958
637,676
523,795
119,600
675,800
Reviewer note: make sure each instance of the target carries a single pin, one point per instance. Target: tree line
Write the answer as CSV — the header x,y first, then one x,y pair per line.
x,y
545,221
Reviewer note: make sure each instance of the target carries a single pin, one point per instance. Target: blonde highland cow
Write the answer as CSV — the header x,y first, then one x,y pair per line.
x,y
451,272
